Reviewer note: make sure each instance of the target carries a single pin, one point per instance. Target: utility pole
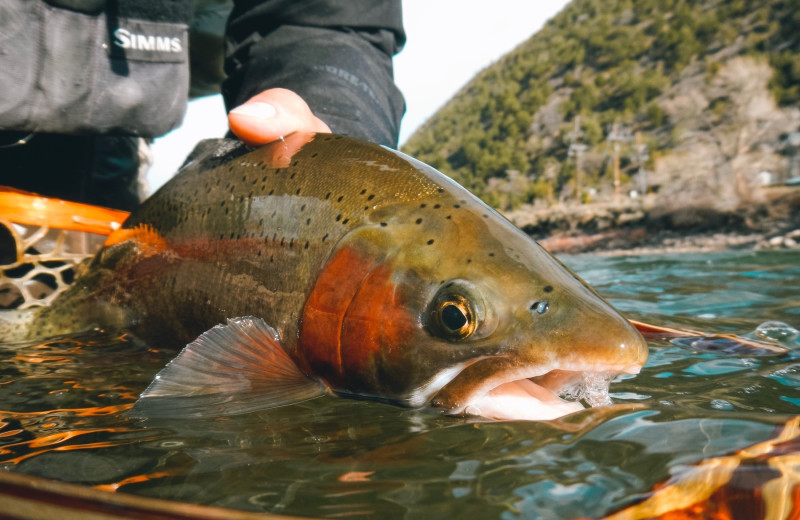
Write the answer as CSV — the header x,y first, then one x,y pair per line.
x,y
793,147
618,134
576,149
642,155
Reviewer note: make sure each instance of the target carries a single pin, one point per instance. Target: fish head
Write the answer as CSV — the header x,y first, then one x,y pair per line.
x,y
439,302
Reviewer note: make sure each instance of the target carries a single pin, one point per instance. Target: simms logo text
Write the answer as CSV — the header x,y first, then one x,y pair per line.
x,y
142,42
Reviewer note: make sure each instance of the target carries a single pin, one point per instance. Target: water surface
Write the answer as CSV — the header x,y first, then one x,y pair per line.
x,y
63,403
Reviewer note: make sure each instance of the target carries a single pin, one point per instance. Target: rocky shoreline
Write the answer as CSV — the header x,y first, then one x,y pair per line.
x,y
644,227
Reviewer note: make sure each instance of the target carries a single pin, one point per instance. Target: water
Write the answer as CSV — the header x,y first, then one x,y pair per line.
x,y
63,403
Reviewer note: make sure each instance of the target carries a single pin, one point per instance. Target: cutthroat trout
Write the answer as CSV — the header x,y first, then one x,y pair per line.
x,y
322,264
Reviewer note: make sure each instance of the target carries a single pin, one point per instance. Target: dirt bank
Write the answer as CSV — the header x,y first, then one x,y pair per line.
x,y
642,226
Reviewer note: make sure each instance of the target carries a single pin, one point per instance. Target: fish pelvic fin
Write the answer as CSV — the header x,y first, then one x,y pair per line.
x,y
230,369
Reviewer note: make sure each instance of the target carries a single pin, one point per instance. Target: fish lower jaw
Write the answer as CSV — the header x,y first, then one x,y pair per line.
x,y
521,400
545,397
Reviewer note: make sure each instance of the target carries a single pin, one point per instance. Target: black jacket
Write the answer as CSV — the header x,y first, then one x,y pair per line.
x,y
336,54
121,67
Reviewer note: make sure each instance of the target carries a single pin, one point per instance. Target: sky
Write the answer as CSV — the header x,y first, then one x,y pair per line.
x,y
448,43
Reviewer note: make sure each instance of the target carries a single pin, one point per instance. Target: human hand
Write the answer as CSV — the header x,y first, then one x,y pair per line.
x,y
273,114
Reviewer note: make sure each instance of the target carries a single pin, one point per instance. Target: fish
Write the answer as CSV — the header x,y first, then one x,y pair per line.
x,y
322,264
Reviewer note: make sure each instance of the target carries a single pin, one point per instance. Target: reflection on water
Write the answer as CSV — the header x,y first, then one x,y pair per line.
x,y
63,403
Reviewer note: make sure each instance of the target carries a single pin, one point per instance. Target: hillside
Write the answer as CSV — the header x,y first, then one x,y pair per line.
x,y
693,103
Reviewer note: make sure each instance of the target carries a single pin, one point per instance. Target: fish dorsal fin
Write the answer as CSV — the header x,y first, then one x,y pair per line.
x,y
148,239
230,369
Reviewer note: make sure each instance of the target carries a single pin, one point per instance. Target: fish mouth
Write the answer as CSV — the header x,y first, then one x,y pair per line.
x,y
542,397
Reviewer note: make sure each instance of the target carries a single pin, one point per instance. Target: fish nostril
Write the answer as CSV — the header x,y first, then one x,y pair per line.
x,y
540,307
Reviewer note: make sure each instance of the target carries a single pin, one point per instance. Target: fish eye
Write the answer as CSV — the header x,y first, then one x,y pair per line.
x,y
454,314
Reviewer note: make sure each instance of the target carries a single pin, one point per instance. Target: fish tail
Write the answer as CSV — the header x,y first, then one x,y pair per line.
x,y
17,324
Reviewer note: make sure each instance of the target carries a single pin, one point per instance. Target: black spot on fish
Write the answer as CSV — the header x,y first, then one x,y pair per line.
x,y
338,217
297,192
422,205
314,155
264,178
292,176
325,237
308,222
294,164
456,206
469,260
372,196
345,221
363,192
419,221
328,196
306,246
271,192
440,190
226,211
485,215
548,288
437,206
491,254
448,217
291,243
340,198
303,207
429,242
384,224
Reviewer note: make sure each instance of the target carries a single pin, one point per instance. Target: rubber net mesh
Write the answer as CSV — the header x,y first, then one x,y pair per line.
x,y
38,263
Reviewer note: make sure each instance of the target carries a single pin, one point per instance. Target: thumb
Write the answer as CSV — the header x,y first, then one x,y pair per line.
x,y
273,114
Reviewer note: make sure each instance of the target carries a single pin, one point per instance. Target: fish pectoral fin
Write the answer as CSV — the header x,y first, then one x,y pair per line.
x,y
230,369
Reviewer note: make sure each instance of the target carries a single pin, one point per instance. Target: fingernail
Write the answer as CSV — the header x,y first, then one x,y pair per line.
x,y
255,109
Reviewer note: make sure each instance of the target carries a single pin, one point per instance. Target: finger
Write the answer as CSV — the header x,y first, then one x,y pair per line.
x,y
273,114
